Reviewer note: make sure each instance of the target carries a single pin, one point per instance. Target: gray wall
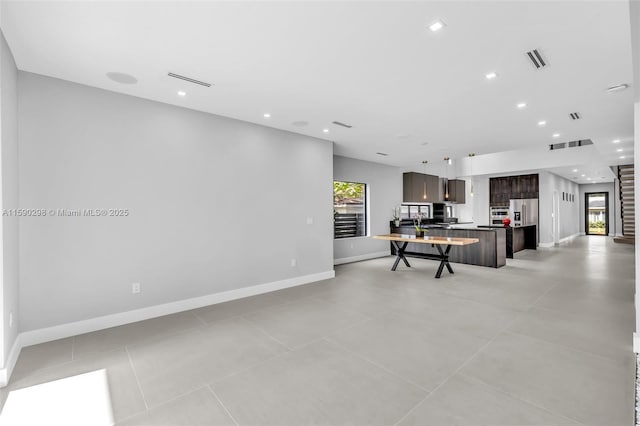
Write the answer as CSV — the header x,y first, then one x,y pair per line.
x,y
615,226
569,211
9,154
215,204
385,193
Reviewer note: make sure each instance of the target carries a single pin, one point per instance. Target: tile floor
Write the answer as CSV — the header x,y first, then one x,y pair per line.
x,y
545,340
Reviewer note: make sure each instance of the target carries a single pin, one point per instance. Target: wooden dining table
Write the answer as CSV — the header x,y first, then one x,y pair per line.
x,y
400,242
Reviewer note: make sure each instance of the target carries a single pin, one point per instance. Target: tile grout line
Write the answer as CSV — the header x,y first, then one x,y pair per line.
x,y
510,395
133,368
464,364
215,395
265,333
364,358
548,342
162,403
503,330
276,356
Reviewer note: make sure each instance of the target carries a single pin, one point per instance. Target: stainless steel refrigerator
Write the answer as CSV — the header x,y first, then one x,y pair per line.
x,y
524,212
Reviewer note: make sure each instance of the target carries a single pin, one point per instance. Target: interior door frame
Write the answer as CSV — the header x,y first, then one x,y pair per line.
x,y
606,212
555,218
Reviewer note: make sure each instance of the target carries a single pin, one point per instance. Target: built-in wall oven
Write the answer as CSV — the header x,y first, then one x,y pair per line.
x,y
498,214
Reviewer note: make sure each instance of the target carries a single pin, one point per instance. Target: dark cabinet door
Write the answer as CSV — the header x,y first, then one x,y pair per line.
x,y
421,188
457,192
493,192
434,189
413,187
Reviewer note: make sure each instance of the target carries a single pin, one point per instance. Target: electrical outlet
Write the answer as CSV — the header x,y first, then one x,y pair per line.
x,y
293,263
135,288
309,221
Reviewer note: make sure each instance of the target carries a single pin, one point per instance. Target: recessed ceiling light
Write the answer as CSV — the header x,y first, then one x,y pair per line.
x,y
622,157
542,123
583,175
588,178
555,135
616,141
619,150
120,77
437,26
266,115
575,170
491,75
182,93
325,130
521,105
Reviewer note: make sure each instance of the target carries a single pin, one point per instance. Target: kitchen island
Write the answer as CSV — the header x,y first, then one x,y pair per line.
x,y
490,251
519,237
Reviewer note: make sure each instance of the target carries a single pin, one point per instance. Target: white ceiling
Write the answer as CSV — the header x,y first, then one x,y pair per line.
x,y
373,65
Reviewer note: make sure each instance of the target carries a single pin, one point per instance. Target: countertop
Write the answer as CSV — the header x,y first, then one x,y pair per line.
x,y
451,227
502,226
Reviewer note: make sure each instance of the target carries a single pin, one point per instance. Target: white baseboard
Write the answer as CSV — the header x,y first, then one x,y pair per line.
x,y
569,238
361,257
62,331
562,240
5,373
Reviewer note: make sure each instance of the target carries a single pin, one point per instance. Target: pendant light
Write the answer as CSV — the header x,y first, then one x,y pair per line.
x,y
445,180
471,167
424,180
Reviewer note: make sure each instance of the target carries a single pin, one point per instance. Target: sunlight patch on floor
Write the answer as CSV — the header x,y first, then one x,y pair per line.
x,y
81,400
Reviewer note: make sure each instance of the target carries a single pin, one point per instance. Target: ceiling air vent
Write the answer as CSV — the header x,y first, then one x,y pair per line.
x,y
337,123
382,153
190,80
575,116
536,59
572,144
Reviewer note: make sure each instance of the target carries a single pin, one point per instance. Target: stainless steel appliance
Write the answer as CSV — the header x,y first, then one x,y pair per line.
x,y
524,212
497,214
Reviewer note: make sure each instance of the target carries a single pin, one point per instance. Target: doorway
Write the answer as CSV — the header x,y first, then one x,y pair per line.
x,y
596,213
555,217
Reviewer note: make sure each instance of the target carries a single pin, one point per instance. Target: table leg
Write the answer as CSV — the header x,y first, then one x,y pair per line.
x,y
444,260
400,254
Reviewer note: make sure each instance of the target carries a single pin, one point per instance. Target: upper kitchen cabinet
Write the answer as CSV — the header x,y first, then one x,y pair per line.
x,y
503,189
457,193
420,188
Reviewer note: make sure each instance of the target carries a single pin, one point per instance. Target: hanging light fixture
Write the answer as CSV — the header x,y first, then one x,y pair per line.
x,y
445,180
471,167
424,181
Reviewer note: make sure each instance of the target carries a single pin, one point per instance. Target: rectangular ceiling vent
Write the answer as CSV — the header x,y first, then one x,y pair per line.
x,y
575,116
536,59
572,144
337,123
382,153
190,80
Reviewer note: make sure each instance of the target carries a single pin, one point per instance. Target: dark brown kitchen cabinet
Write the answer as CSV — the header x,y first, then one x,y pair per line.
x,y
457,192
420,188
503,189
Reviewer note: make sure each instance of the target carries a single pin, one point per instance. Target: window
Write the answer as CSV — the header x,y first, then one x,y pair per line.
x,y
410,211
349,209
